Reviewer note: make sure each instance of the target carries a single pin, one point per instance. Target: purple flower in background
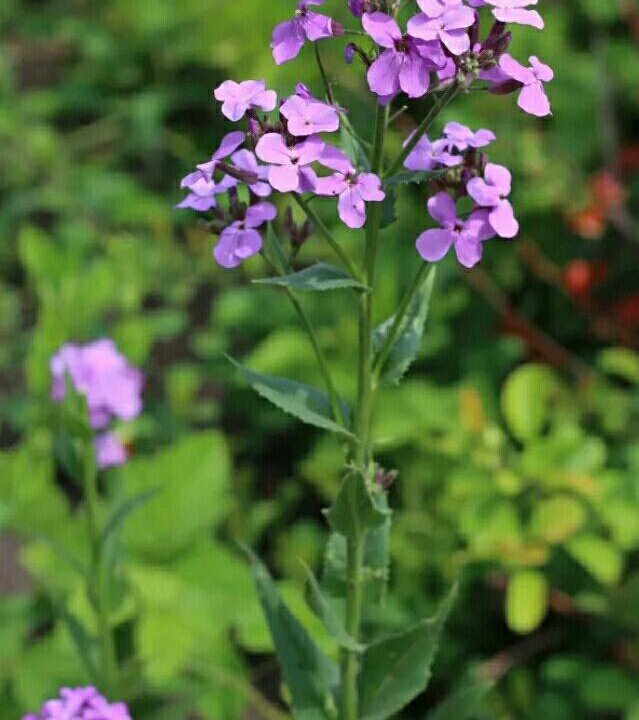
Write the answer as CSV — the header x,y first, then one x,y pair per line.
x,y
240,240
290,36
245,160
289,169
532,98
237,98
80,704
354,190
466,236
492,191
406,62
306,115
109,450
514,11
459,137
112,387
449,27
427,155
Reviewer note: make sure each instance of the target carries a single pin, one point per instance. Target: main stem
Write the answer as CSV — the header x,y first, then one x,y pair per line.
x,y
98,588
355,546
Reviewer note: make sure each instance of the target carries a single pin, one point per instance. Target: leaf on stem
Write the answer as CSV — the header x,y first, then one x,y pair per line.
x,y
398,668
127,507
409,339
412,177
310,676
354,511
304,402
389,214
319,278
84,644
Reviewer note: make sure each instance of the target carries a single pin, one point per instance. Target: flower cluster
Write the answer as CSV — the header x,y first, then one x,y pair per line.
x,y
112,388
284,148
84,703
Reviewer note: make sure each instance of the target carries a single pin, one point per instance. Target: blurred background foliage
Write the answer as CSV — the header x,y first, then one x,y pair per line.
x,y
515,438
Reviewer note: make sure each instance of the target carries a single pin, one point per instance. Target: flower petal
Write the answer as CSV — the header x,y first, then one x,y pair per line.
x,y
284,178
352,209
533,100
442,208
502,218
271,148
432,245
382,28
383,74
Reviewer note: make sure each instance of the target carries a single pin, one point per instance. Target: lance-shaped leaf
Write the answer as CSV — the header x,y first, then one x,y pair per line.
x,y
310,676
319,278
389,212
463,701
127,507
321,606
398,668
355,511
412,177
298,399
411,331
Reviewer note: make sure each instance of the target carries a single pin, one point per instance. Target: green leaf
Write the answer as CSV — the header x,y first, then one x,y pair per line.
x,y
310,676
127,507
389,213
353,145
319,277
83,643
621,362
409,177
463,701
526,398
598,556
354,511
326,613
409,340
526,601
298,399
398,668
557,518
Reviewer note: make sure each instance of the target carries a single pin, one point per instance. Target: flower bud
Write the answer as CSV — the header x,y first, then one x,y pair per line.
x,y
349,52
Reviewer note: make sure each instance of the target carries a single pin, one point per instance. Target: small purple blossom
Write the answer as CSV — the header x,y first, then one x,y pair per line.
x,y
435,8
492,192
245,160
427,155
289,171
450,27
459,137
306,115
289,36
466,236
514,11
405,63
240,240
110,451
237,98
80,704
230,143
354,189
532,98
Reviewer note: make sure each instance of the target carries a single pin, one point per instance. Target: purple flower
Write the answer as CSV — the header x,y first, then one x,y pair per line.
x,y
357,7
112,387
306,115
290,36
203,195
240,240
513,11
532,98
230,143
245,160
290,171
354,189
237,98
109,450
406,62
459,137
427,155
81,704
492,191
435,8
449,27
466,236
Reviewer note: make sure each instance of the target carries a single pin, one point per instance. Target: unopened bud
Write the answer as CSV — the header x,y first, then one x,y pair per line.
x,y
349,52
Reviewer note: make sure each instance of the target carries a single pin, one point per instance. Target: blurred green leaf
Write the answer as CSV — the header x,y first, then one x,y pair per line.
x,y
526,601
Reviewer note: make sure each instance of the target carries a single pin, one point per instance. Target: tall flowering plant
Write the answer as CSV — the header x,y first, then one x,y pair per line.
x,y
286,150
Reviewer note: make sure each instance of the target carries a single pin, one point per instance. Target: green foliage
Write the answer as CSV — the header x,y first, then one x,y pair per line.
x,y
319,277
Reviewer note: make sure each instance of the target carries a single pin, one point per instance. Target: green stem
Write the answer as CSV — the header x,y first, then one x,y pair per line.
x,y
350,661
320,64
423,127
327,235
98,590
396,328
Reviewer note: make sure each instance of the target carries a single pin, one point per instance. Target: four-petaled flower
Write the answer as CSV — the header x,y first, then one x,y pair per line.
x,y
246,160
466,236
237,98
81,704
289,169
240,240
354,189
427,155
290,35
532,98
492,191
449,26
514,11
459,137
406,62
306,115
